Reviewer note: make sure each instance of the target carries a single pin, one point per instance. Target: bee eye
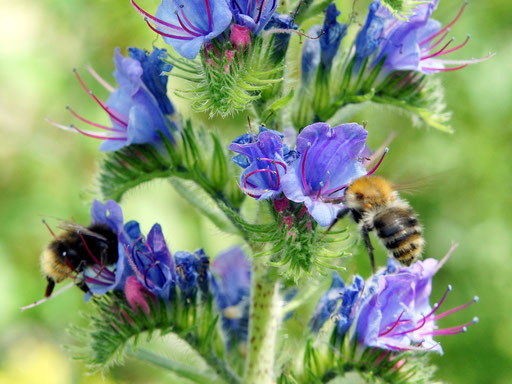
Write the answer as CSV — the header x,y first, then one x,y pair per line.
x,y
359,196
64,254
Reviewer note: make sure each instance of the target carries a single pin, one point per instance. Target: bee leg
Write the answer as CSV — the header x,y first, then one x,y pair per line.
x,y
369,246
49,287
341,214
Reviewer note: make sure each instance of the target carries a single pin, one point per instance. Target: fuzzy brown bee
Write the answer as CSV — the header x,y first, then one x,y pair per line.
x,y
375,205
76,249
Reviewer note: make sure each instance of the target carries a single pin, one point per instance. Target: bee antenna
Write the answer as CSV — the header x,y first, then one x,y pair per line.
x,y
380,161
47,226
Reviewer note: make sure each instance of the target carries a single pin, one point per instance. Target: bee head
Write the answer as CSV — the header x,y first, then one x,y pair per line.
x,y
369,192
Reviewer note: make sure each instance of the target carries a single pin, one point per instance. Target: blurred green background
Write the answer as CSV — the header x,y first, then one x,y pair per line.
x,y
46,171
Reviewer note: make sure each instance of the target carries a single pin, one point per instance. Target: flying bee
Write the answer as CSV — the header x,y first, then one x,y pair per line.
x,y
375,205
76,249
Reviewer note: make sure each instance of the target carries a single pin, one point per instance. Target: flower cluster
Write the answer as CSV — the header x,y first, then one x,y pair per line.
x,y
139,108
390,311
417,44
145,266
190,25
325,161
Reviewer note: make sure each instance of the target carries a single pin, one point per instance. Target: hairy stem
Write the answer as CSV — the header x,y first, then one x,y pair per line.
x,y
263,324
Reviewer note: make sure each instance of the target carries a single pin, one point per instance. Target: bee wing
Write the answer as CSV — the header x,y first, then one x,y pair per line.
x,y
74,227
419,184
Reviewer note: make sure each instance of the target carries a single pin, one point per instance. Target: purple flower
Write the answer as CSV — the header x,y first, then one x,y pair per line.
x,y
151,260
252,14
192,272
134,108
101,278
188,25
263,160
231,286
328,161
329,304
394,312
415,44
333,33
153,67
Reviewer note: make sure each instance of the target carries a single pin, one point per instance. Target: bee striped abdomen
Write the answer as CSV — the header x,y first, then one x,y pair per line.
x,y
400,232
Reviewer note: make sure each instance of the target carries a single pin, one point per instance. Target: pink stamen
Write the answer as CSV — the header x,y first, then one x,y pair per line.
x,y
150,16
456,309
209,14
49,229
100,79
88,250
452,331
167,34
424,320
446,257
444,69
96,281
255,172
91,123
438,52
120,118
472,61
393,326
378,164
90,134
429,48
457,47
437,306
134,266
446,27
273,161
303,171
260,11
104,271
201,31
184,26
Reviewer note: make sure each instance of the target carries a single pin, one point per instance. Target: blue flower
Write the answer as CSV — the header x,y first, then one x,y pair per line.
x,y
281,40
153,69
329,304
328,161
192,273
249,13
333,33
151,260
134,108
103,278
231,286
263,161
394,312
187,25
415,44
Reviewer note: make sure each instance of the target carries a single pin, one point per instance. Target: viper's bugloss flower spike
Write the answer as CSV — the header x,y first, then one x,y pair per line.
x,y
192,273
101,278
391,310
416,44
135,107
252,13
188,25
151,260
329,159
332,34
231,287
264,162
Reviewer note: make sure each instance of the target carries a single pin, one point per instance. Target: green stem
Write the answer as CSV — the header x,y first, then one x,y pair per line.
x,y
263,325
183,370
